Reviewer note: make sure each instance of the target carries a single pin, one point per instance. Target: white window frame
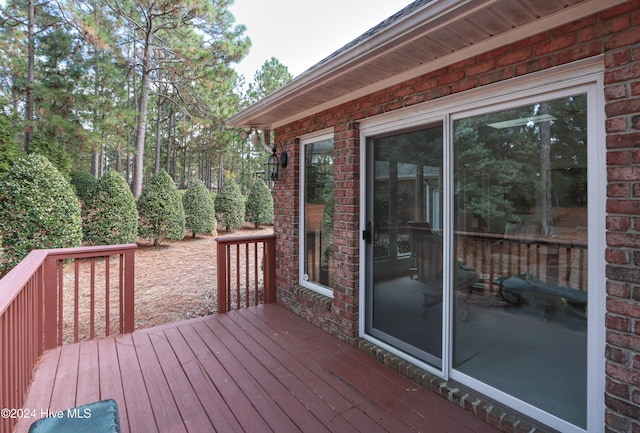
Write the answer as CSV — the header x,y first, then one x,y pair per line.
x,y
325,134
585,76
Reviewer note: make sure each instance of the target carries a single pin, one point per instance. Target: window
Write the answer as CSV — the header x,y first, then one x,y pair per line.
x,y
317,214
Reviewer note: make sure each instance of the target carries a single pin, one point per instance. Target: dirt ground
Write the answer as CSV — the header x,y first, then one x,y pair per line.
x,y
175,281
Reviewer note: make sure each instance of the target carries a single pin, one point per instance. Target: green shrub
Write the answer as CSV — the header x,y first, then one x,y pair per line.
x,y
109,214
259,204
38,209
230,206
82,182
199,209
160,210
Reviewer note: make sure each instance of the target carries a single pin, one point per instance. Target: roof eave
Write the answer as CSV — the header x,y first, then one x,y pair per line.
x,y
266,113
326,68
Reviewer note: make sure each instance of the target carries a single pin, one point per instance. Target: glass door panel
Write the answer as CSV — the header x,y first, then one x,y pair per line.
x,y
520,218
404,255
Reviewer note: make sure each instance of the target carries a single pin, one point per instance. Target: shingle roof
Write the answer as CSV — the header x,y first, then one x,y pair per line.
x,y
379,28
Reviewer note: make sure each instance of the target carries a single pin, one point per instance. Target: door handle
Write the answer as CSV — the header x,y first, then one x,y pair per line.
x,y
366,234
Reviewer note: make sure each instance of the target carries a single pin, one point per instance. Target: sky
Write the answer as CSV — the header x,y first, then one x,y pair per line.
x,y
300,33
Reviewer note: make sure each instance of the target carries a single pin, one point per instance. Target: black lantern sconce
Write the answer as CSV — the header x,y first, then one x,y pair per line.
x,y
274,163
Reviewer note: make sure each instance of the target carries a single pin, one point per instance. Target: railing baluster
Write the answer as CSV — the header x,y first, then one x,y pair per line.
x,y
60,266
92,297
256,264
76,297
107,279
246,275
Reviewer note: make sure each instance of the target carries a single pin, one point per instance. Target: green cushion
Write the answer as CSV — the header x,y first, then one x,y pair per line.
x,y
99,417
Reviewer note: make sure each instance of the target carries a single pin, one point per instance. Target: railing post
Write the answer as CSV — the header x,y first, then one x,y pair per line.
x,y
221,270
50,304
129,291
270,271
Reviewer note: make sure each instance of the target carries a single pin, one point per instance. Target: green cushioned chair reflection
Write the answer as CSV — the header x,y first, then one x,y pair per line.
x,y
98,417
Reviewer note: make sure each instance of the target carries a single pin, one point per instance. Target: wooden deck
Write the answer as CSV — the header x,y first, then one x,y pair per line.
x,y
256,370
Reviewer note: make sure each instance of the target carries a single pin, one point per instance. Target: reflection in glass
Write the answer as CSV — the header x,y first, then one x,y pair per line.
x,y
520,186
405,302
318,213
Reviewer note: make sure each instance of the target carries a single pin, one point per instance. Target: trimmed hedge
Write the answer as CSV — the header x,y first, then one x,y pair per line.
x,y
230,206
199,208
109,214
160,210
259,204
38,209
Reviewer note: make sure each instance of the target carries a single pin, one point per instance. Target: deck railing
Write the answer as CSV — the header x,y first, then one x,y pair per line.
x,y
245,271
33,311
554,261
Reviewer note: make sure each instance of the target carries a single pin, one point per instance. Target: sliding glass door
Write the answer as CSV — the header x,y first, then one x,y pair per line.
x,y
404,242
477,251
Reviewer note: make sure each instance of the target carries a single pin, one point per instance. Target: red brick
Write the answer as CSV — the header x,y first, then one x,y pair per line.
x,y
619,323
534,65
618,190
617,257
451,77
622,74
628,274
580,52
618,124
556,44
624,39
620,141
623,407
624,173
616,92
481,68
614,59
619,108
618,223
618,290
622,9
625,341
514,57
623,240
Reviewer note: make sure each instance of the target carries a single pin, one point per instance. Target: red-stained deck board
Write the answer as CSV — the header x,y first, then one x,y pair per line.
x,y
261,369
66,384
137,399
110,384
209,397
352,381
329,400
88,373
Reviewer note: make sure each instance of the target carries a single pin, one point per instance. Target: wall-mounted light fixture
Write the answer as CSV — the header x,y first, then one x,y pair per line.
x,y
274,163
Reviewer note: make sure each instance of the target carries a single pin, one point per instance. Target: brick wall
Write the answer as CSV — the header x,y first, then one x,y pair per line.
x,y
615,33
622,95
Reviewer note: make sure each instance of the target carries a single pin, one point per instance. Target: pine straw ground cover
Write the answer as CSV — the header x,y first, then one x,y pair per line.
x,y
173,281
